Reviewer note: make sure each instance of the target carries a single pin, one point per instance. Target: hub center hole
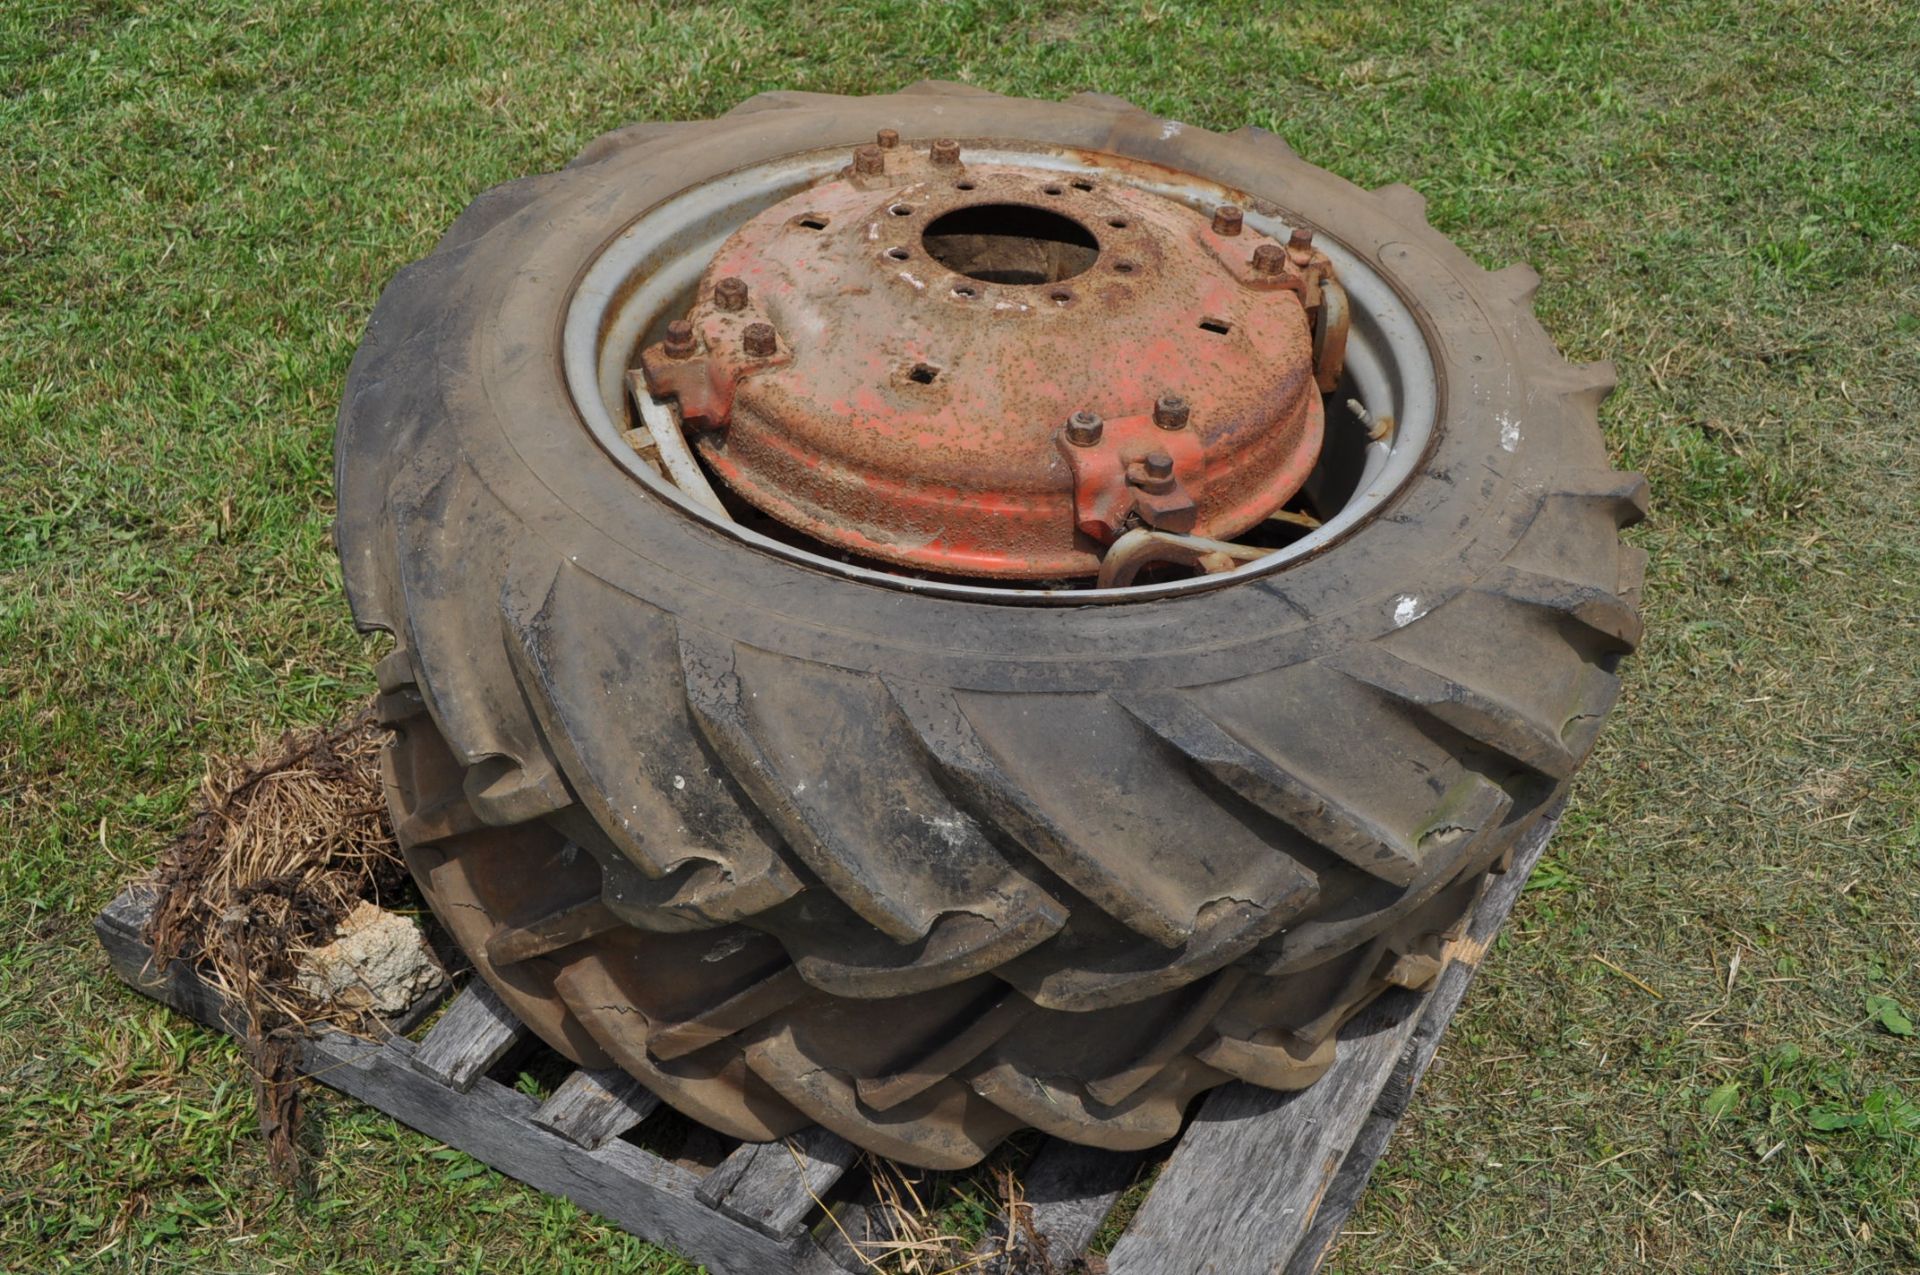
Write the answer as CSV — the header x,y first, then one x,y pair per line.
x,y
1010,243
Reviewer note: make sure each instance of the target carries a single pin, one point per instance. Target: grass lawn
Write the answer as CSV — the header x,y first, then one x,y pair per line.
x,y
1693,1050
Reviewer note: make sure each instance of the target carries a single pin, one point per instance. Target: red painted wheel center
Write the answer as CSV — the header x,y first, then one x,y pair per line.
x,y
983,370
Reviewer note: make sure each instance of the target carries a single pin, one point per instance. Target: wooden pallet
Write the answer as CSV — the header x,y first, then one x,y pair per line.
x,y
1259,1181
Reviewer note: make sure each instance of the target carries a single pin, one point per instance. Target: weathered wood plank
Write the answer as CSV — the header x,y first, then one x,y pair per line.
x,y
118,929
635,1190
1067,1192
856,1237
773,1186
591,1107
1443,1001
1240,1189
475,1033
1245,1184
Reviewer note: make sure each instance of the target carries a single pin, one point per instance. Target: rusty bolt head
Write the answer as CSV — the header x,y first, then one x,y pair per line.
x,y
869,161
1300,238
945,152
1227,219
1084,429
1171,412
1159,465
758,341
887,138
679,342
1269,258
730,293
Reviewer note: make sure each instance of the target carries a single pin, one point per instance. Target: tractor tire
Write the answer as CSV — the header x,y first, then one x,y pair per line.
x,y
792,847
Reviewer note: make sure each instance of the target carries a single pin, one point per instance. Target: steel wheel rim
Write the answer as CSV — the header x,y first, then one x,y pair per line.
x,y
641,277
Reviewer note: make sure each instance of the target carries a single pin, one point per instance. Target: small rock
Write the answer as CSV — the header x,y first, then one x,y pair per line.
x,y
377,961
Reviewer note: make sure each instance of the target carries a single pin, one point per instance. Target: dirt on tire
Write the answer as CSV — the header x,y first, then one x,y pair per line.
x,y
793,848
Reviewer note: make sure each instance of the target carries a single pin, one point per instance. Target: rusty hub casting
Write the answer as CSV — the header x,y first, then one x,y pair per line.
x,y
987,370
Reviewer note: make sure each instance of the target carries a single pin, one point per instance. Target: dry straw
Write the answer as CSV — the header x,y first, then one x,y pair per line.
x,y
277,852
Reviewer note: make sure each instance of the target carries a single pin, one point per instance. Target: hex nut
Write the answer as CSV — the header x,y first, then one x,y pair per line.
x,y
1171,412
945,152
1227,220
759,341
869,161
679,342
1084,429
730,293
887,138
1159,465
1269,258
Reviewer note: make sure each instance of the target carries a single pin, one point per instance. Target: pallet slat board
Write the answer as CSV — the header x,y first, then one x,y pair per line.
x,y
592,1107
773,1186
475,1033
1259,1181
1234,1187
1067,1192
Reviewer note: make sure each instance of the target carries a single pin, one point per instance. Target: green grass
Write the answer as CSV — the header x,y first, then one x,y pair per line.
x,y
199,204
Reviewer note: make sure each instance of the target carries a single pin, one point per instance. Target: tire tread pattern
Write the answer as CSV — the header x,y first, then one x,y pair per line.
x,y
609,799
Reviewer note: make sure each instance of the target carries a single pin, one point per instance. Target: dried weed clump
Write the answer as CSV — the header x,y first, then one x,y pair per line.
x,y
279,850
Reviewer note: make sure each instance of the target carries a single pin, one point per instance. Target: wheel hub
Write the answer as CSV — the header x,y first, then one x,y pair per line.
x,y
992,370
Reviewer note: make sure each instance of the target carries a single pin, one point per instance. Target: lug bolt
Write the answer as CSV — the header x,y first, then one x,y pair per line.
x,y
1269,258
888,138
758,341
1227,219
945,152
869,161
679,343
1159,465
730,293
1084,429
1171,412
1301,238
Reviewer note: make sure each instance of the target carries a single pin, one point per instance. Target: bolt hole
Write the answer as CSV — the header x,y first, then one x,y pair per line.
x,y
898,254
923,374
1054,190
1083,185
963,185
1124,267
901,210
1118,223
812,221
1010,244
1060,296
1219,327
964,291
